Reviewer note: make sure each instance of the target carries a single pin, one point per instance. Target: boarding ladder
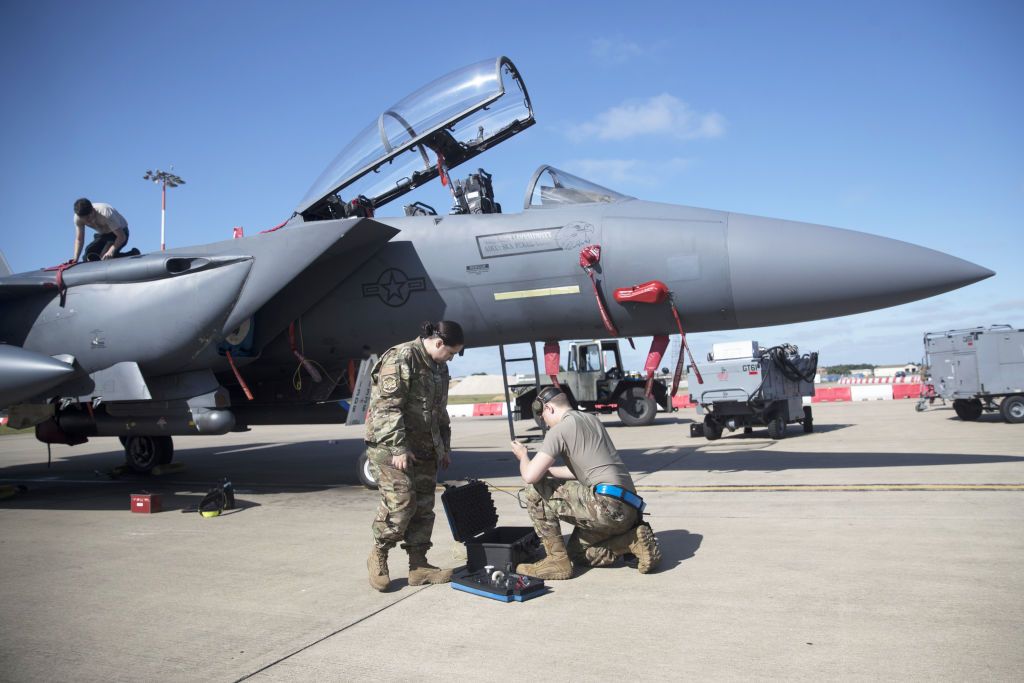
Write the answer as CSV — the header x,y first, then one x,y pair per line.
x,y
511,409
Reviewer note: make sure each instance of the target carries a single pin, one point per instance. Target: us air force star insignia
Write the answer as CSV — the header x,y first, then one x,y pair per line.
x,y
389,384
394,287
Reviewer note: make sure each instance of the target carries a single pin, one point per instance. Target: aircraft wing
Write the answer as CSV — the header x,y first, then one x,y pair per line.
x,y
121,323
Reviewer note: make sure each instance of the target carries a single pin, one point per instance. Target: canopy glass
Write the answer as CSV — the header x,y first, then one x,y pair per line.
x,y
424,135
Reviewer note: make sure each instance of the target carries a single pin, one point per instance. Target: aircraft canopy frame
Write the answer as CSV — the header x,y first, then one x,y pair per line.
x,y
436,128
565,188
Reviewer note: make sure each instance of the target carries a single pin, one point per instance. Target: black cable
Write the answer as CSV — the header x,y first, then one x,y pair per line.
x,y
508,493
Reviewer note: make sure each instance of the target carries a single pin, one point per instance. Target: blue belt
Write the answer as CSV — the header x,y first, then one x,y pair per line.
x,y
622,494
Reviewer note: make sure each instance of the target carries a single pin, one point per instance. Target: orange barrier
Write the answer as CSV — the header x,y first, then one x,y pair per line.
x,y
824,395
683,401
906,390
486,409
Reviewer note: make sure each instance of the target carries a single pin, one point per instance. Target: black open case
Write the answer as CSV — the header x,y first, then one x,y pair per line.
x,y
473,519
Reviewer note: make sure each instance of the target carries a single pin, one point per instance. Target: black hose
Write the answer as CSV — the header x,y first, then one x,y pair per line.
x,y
785,358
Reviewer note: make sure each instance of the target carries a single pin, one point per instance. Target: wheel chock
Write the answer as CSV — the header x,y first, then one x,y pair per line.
x,y
169,468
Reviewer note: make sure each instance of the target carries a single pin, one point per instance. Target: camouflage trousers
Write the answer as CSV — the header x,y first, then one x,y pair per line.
x,y
406,510
596,518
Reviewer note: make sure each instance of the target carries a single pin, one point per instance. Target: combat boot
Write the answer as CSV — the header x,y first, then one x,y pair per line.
x,y
377,565
645,547
555,566
422,572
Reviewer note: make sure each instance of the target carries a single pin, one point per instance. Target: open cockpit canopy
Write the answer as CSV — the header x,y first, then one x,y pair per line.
x,y
551,187
435,129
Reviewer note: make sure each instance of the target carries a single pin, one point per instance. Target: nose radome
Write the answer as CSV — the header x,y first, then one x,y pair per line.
x,y
784,271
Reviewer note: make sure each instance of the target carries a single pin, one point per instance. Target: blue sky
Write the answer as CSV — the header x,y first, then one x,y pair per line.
x,y
898,119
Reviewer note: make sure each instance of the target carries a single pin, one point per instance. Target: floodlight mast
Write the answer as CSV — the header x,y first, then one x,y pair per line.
x,y
165,178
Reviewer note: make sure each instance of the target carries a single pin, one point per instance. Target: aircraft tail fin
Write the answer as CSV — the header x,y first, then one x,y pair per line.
x,y
5,268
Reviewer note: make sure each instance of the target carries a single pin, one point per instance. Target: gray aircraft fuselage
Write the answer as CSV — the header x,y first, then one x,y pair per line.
x,y
516,277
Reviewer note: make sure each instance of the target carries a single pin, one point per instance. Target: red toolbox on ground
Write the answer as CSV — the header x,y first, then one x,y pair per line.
x,y
145,502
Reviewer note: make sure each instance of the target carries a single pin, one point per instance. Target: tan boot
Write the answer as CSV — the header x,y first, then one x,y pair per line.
x,y
645,547
377,565
555,566
422,572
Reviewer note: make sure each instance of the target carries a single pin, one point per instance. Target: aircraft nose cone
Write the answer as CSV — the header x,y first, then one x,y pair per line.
x,y
783,271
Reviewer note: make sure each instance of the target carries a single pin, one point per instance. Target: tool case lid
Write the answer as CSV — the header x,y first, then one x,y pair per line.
x,y
469,508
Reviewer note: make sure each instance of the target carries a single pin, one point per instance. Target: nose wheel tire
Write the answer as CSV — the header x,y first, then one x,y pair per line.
x,y
365,473
143,453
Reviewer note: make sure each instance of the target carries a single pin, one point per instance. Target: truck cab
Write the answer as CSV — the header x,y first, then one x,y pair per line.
x,y
595,381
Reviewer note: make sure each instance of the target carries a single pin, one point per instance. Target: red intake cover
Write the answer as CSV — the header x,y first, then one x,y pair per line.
x,y
653,292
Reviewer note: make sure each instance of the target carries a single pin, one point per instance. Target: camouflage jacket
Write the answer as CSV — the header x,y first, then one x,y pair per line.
x,y
409,403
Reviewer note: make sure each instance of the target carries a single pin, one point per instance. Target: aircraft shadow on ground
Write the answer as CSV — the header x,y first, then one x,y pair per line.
x,y
87,482
79,482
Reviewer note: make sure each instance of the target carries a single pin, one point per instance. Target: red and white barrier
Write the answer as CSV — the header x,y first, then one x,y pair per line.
x,y
913,379
860,392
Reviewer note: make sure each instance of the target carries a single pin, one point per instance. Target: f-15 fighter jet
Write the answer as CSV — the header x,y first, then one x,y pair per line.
x,y
208,339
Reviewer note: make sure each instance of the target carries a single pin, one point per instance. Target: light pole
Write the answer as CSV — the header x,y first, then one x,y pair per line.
x,y
165,178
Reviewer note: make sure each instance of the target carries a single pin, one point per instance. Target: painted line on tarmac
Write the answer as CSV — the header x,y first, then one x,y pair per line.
x,y
768,488
331,635
741,488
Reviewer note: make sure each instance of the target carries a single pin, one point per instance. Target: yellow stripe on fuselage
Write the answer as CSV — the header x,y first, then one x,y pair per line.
x,y
530,293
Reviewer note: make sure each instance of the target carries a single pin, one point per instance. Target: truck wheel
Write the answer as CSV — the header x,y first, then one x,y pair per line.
x,y
1012,409
712,430
143,453
808,420
635,409
921,405
967,409
365,473
777,428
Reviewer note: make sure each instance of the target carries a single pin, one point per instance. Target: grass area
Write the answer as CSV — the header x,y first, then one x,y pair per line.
x,y
475,398
7,430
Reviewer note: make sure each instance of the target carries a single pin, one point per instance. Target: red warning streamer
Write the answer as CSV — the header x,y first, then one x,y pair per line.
x,y
590,257
238,375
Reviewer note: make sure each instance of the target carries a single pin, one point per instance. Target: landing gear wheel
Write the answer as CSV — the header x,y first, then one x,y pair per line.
x,y
777,428
712,429
143,453
967,409
1012,409
808,420
635,409
365,473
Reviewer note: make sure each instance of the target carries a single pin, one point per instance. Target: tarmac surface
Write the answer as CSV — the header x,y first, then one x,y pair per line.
x,y
887,545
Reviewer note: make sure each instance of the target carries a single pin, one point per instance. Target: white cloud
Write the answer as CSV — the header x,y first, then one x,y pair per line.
x,y
622,172
660,115
615,51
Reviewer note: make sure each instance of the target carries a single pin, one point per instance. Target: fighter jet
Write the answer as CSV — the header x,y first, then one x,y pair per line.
x,y
267,329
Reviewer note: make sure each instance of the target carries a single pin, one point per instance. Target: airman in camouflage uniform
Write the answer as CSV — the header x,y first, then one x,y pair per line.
x,y
408,434
606,527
